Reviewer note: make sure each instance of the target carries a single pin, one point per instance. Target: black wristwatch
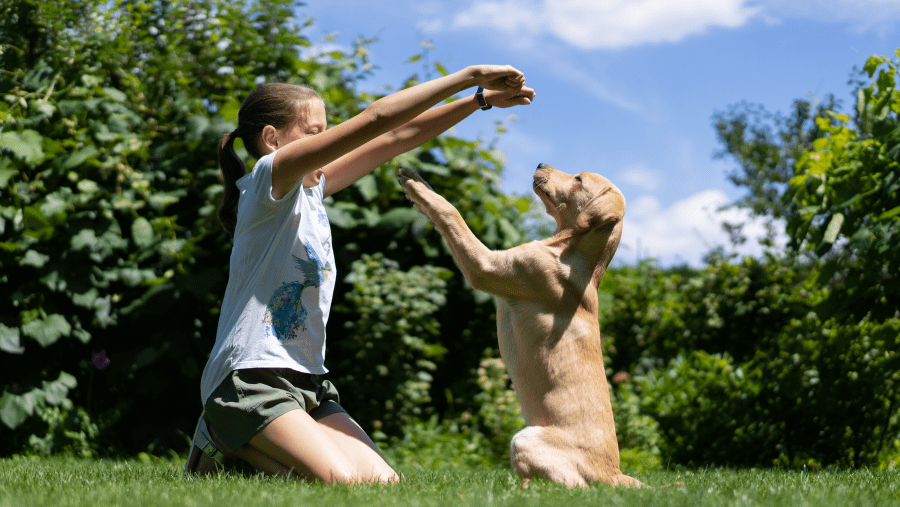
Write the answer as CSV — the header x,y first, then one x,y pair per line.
x,y
479,96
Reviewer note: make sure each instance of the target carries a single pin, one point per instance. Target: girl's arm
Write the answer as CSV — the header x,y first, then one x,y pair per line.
x,y
296,159
354,165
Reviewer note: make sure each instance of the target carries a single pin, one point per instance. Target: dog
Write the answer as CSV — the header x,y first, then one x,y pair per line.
x,y
547,324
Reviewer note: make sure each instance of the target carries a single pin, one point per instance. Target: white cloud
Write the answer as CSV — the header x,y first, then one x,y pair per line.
x,y
507,15
614,24
686,230
641,177
607,24
592,24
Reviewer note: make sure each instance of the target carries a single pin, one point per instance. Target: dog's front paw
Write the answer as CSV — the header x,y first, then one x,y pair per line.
x,y
412,184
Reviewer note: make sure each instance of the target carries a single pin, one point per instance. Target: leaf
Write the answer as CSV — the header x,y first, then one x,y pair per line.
x,y
834,227
368,187
26,145
86,238
862,239
341,218
398,217
54,208
160,200
861,102
195,126
887,215
229,110
40,76
36,224
10,341
114,94
6,173
142,232
14,409
87,299
56,392
47,331
79,157
35,259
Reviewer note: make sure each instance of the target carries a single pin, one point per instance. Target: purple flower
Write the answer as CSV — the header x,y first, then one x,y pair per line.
x,y
99,360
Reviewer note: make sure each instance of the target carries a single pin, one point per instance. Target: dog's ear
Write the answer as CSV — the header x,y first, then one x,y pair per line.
x,y
603,210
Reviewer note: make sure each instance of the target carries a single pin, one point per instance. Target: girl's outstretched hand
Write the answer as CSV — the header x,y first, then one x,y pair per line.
x,y
498,77
518,97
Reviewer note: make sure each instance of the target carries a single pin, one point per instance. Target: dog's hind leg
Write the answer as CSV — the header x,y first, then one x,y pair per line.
x,y
540,452
545,452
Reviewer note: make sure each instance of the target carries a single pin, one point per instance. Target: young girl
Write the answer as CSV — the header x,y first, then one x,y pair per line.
x,y
262,399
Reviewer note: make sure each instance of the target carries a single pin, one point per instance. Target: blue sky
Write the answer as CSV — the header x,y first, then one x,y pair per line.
x,y
628,88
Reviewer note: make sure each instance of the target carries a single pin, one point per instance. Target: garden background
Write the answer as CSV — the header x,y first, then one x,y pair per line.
x,y
113,262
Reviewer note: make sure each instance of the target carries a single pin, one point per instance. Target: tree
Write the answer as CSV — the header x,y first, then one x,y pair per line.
x,y
798,351
847,196
767,146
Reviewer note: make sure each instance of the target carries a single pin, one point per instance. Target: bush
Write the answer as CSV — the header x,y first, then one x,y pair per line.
x,y
637,432
704,406
499,412
391,348
738,369
431,444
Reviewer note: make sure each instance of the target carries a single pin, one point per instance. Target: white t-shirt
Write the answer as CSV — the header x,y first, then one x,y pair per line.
x,y
280,283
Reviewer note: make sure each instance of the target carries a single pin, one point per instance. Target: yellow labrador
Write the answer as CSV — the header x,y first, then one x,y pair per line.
x,y
547,324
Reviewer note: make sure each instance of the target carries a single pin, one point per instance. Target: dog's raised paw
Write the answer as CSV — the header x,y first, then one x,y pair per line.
x,y
405,174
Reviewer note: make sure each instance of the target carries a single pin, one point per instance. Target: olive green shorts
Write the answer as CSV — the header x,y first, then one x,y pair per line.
x,y
247,400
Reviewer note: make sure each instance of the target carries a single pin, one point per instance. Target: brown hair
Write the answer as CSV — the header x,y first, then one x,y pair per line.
x,y
275,104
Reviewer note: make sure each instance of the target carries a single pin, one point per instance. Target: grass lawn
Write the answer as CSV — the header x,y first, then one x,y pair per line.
x,y
60,482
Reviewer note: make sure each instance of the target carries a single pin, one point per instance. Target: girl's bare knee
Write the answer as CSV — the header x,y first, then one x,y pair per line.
x,y
342,477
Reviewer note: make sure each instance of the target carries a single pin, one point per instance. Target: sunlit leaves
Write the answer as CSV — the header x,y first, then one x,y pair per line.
x,y
847,186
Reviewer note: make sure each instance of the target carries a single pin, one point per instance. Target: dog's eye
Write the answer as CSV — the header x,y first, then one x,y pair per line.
x,y
578,179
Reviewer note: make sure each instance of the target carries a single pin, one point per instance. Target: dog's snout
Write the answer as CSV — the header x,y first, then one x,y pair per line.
x,y
542,165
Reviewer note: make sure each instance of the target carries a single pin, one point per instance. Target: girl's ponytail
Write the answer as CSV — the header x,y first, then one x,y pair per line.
x,y
233,169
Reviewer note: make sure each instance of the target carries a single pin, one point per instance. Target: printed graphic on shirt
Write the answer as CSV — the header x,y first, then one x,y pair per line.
x,y
285,316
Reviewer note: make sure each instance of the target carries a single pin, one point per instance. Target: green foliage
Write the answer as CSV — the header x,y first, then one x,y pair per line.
x,y
787,360
391,348
847,190
16,409
767,146
737,368
68,432
499,413
108,187
637,432
831,393
704,405
431,444
727,307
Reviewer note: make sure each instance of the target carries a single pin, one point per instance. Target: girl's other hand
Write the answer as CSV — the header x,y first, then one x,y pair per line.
x,y
508,98
498,77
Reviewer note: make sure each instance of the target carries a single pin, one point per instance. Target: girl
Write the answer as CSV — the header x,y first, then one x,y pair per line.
x,y
262,399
